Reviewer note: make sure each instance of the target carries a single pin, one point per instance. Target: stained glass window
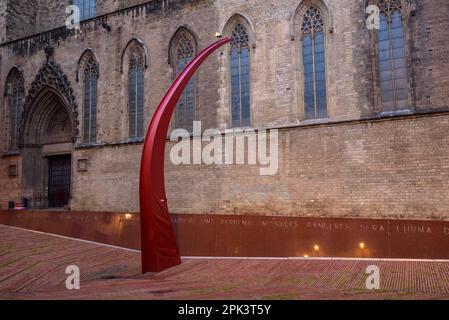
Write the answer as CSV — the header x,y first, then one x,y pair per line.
x,y
90,99
15,95
136,92
185,111
313,53
240,97
391,55
87,8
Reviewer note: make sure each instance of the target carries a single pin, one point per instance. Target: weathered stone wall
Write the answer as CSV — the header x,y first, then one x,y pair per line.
x,y
50,15
395,168
2,21
430,54
10,186
370,168
21,18
28,17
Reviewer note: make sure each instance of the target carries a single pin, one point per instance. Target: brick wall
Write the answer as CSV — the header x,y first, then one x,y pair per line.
x,y
397,168
430,58
10,185
369,168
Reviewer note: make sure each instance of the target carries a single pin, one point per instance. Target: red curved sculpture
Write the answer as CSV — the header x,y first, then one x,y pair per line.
x,y
159,248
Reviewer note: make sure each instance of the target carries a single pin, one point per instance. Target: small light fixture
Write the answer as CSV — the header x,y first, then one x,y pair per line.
x,y
128,216
316,247
362,245
218,35
306,255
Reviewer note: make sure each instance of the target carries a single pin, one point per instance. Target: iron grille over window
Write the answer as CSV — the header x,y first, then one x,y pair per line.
x,y
240,96
313,54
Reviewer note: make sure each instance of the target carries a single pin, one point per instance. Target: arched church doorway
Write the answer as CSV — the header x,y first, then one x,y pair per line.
x,y
47,148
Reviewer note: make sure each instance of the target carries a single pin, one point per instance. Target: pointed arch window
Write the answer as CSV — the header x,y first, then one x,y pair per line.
x,y
15,96
90,100
314,64
240,64
391,56
185,111
136,92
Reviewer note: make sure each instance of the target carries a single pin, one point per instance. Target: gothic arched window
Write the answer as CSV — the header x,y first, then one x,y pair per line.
x,y
136,92
313,56
90,99
87,8
15,95
391,55
240,64
185,111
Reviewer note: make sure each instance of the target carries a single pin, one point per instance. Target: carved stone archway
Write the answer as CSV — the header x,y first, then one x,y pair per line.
x,y
48,132
50,76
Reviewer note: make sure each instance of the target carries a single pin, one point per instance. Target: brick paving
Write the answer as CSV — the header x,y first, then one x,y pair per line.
x,y
32,266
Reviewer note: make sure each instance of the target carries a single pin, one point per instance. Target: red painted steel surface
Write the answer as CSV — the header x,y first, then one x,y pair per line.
x,y
159,248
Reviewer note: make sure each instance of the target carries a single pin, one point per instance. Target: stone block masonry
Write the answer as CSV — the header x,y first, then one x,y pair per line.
x,y
355,163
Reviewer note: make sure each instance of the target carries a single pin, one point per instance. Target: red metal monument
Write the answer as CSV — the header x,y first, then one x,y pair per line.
x,y
159,247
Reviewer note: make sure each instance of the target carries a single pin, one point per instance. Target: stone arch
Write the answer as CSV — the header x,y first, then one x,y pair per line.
x,y
174,41
408,7
246,22
133,65
50,78
48,113
226,118
48,135
132,43
14,93
15,71
183,49
89,67
325,25
85,57
322,5
401,100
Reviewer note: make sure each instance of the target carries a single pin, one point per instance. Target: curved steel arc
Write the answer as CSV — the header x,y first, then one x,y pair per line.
x,y
159,247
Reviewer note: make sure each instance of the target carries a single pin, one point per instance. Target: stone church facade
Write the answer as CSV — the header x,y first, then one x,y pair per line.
x,y
362,114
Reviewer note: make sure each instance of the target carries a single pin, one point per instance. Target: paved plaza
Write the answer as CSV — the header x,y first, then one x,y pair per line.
x,y
33,265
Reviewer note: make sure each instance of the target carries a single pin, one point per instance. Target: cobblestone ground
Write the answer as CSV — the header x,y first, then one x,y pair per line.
x,y
32,266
